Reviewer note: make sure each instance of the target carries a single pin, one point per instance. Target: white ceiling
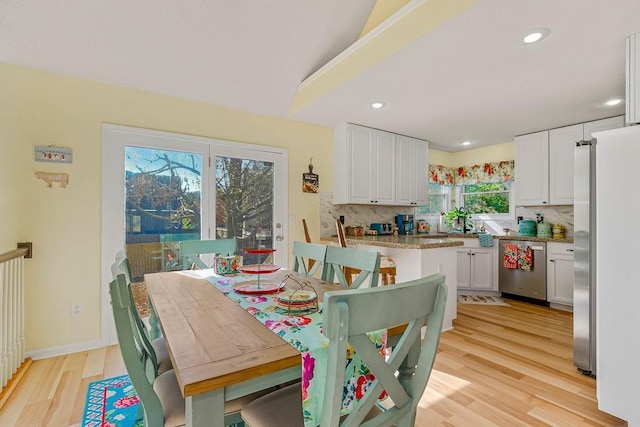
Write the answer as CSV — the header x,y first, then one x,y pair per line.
x,y
469,79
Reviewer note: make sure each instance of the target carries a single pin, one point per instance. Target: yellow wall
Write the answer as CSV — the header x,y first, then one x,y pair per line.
x,y
64,225
493,153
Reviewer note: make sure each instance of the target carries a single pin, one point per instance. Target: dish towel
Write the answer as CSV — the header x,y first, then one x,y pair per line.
x,y
525,258
486,240
510,258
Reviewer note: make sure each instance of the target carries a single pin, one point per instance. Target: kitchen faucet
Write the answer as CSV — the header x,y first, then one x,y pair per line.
x,y
464,219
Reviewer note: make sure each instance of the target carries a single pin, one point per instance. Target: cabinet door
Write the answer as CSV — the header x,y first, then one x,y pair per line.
x,y
383,189
562,143
560,273
419,172
560,279
360,163
412,171
532,169
464,269
482,269
403,166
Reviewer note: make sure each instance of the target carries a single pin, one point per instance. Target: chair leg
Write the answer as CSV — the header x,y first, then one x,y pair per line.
x,y
385,279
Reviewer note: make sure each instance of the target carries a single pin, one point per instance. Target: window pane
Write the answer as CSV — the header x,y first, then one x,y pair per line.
x,y
162,199
244,203
480,187
487,198
436,200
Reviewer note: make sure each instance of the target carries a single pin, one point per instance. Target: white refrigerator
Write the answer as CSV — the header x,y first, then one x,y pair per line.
x,y
618,272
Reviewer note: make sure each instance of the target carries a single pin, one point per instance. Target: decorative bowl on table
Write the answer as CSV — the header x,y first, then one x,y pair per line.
x,y
297,301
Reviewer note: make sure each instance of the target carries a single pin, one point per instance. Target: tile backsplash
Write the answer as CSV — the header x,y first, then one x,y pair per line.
x,y
355,215
364,215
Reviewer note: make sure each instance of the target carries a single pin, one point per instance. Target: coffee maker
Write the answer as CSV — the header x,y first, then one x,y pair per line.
x,y
405,224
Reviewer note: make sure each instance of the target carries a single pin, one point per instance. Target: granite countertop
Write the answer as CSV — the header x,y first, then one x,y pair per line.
x,y
511,236
413,241
432,241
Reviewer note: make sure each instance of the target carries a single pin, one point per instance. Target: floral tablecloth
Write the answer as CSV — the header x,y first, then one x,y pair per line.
x,y
304,332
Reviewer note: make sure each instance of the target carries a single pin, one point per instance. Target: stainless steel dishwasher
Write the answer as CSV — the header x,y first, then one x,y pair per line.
x,y
517,280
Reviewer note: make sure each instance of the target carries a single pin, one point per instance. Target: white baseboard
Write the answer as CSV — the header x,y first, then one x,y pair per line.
x,y
67,349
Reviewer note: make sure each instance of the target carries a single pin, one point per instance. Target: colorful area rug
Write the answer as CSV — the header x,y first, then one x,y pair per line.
x,y
481,299
111,402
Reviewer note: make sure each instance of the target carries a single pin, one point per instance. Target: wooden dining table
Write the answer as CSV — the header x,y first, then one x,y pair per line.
x,y
219,351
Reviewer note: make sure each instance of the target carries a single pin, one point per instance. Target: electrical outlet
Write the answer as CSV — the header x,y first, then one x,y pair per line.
x,y
76,309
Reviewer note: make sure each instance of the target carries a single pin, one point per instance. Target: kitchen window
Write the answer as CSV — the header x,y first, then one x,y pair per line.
x,y
488,199
438,199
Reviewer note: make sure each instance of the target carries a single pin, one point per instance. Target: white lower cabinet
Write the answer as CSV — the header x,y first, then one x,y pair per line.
x,y
560,273
476,269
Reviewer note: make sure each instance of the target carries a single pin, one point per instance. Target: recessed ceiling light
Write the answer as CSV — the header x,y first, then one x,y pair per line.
x,y
465,143
535,35
612,102
378,105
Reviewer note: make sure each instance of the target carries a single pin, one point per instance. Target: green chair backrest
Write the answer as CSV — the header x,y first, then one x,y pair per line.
x,y
349,314
132,355
303,252
338,258
190,250
122,265
141,333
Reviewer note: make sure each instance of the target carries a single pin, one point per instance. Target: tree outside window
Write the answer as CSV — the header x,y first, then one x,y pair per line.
x,y
486,198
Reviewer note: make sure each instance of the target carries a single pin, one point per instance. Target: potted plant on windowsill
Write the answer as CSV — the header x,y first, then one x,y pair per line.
x,y
459,219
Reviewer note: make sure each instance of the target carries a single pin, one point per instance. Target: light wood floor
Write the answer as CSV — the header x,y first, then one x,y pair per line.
x,y
506,366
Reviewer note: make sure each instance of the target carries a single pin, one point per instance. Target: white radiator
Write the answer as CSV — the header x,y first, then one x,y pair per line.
x,y
11,317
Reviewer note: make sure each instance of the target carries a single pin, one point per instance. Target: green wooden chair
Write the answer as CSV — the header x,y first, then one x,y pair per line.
x,y
155,352
190,251
338,260
161,400
304,252
149,388
348,315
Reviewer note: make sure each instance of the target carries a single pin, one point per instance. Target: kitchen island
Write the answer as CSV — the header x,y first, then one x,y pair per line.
x,y
416,256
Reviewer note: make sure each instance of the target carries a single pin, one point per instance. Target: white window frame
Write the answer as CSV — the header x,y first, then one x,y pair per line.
x,y
511,215
447,202
114,140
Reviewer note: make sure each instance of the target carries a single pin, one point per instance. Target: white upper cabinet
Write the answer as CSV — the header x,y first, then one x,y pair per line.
x,y
544,162
532,169
562,142
412,173
383,189
378,168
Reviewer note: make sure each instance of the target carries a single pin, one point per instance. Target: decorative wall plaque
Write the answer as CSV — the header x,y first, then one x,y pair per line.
x,y
310,181
53,154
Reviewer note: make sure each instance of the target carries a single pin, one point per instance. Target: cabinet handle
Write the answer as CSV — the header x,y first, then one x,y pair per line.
x,y
544,203
569,250
552,260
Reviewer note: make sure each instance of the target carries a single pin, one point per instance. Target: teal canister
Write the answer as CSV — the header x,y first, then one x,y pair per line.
x,y
544,229
527,227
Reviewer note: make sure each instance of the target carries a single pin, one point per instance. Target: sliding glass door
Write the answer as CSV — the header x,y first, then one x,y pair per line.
x,y
161,188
